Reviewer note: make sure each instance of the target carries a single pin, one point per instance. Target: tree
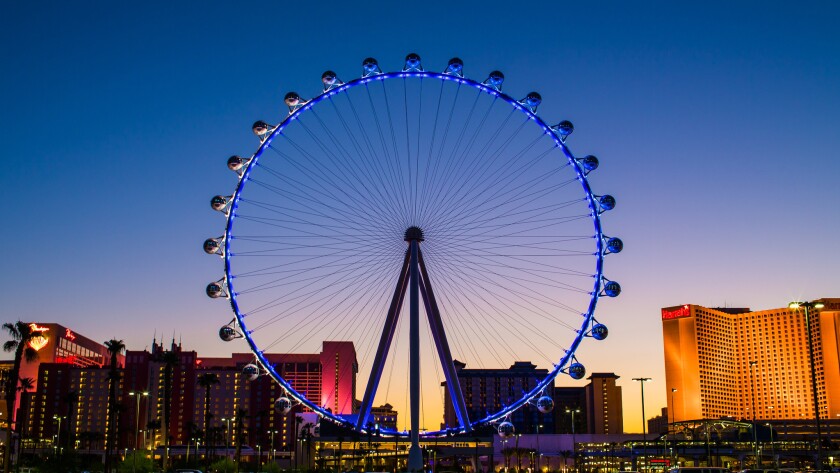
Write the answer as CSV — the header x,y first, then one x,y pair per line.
x,y
137,461
241,415
170,361
153,426
206,381
215,436
306,438
22,335
71,399
507,452
115,347
88,437
26,384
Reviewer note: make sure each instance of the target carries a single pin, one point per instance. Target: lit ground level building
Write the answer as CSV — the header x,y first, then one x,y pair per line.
x,y
585,453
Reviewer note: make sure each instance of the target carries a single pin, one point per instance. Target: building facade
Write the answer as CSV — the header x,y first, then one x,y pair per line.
x,y
568,399
69,405
604,405
489,390
738,363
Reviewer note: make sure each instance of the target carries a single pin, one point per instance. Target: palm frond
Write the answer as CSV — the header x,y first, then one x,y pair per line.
x,y
12,329
30,354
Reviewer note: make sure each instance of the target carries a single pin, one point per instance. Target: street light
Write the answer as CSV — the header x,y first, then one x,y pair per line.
x,y
673,407
772,445
644,419
227,436
137,395
574,449
272,454
673,421
753,364
57,438
812,305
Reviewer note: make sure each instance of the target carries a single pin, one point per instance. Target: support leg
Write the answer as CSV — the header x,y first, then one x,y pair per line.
x,y
453,386
384,344
415,455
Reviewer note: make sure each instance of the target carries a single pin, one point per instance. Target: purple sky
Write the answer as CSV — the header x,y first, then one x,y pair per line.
x,y
716,126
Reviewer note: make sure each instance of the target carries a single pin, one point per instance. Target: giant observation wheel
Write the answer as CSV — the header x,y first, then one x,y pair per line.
x,y
426,218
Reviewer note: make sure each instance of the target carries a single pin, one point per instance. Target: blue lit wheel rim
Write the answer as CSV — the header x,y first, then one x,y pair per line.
x,y
513,240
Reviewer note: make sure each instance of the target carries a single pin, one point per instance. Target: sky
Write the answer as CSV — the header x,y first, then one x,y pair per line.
x,y
715,123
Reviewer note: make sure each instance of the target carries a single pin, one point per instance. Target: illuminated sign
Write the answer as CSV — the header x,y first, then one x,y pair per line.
x,y
38,341
69,335
679,312
37,328
69,359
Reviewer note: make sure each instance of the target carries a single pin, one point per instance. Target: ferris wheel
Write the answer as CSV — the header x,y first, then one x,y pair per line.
x,y
427,218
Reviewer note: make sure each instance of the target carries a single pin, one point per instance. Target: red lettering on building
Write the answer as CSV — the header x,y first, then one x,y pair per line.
x,y
70,359
677,313
69,335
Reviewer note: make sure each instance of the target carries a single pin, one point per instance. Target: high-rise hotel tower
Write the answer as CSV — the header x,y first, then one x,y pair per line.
x,y
727,362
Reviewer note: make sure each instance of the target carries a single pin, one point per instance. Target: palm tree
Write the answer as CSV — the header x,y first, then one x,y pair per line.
x,y
241,415
71,399
216,436
26,384
115,347
170,360
22,334
153,426
507,452
206,381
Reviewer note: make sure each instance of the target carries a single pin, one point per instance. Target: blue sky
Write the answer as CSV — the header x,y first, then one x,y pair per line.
x,y
716,125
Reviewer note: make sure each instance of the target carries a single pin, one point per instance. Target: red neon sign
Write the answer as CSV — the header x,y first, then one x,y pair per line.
x,y
70,359
69,335
682,311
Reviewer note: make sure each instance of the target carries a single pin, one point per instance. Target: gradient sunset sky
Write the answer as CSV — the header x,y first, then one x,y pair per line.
x,y
717,126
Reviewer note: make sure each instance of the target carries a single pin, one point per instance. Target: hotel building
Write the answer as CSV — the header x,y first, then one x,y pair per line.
x,y
71,395
489,390
604,406
727,362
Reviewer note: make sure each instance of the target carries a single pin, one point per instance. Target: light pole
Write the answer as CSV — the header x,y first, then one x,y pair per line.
x,y
673,422
812,305
574,449
137,395
753,364
57,437
272,455
772,445
539,454
227,436
644,419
